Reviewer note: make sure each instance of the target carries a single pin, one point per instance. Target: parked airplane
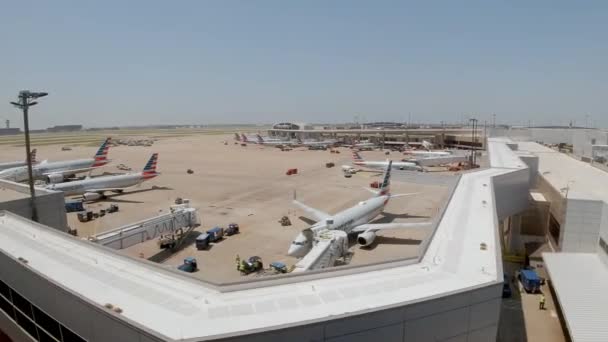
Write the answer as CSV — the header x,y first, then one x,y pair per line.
x,y
261,141
363,145
359,161
56,172
10,165
352,220
325,143
94,188
254,140
429,153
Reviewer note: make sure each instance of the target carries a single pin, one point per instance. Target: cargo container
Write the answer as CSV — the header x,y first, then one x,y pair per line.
x,y
215,234
202,241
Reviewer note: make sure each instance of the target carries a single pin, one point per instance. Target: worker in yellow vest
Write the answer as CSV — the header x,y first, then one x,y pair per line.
x,y
541,302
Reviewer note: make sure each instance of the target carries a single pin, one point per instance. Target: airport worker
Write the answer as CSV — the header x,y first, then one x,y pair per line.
x,y
541,302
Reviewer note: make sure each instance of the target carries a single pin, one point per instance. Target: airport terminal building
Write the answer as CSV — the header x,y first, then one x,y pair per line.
x,y
56,287
388,133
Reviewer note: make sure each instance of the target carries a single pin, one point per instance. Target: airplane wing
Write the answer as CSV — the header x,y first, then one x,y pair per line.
x,y
102,190
66,172
374,227
316,214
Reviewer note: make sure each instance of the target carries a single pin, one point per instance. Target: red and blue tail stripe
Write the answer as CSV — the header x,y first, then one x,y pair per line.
x,y
101,157
150,168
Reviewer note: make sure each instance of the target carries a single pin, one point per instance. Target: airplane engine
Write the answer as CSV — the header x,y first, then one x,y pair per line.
x,y
91,196
55,178
365,239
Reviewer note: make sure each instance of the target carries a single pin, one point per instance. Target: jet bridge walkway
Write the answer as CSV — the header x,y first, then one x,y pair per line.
x,y
180,217
328,246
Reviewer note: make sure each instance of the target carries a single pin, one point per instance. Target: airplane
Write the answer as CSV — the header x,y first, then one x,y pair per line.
x,y
10,165
261,141
246,139
56,172
354,220
94,188
428,153
363,145
359,161
317,143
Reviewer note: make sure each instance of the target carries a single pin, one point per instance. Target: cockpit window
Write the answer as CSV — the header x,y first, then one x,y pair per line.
x,y
297,243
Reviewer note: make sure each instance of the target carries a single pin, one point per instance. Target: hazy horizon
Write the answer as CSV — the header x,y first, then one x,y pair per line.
x,y
148,63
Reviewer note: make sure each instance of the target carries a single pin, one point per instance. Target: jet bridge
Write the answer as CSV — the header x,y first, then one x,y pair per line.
x,y
180,217
328,246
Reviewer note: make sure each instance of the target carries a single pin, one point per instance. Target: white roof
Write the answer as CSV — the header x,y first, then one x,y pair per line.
x,y
580,281
501,156
565,172
151,296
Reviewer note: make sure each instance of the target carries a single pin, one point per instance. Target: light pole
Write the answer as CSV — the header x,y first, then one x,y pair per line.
x,y
26,99
473,140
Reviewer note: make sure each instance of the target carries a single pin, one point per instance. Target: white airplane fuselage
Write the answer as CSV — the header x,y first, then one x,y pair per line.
x,y
10,165
19,174
346,220
104,182
382,165
428,154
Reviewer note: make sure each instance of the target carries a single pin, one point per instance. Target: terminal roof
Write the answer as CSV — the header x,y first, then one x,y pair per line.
x,y
581,292
567,174
463,254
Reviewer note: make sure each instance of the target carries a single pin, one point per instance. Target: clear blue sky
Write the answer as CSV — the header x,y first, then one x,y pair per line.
x,y
151,62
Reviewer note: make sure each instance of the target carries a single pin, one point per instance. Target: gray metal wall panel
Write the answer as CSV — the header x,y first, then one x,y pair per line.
x,y
487,334
51,210
391,333
107,329
438,327
484,314
459,338
307,333
512,191
363,322
486,293
434,306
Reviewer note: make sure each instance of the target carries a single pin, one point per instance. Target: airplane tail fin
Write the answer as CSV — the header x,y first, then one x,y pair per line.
x,y
259,138
237,137
385,186
150,168
33,156
357,156
244,138
101,157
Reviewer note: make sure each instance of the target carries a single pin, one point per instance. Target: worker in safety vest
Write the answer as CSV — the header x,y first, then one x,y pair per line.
x,y
541,302
238,262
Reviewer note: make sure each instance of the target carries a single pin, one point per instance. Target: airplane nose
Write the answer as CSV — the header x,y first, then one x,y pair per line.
x,y
294,251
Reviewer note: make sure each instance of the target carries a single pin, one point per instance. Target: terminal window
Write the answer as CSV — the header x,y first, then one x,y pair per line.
x,y
39,325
